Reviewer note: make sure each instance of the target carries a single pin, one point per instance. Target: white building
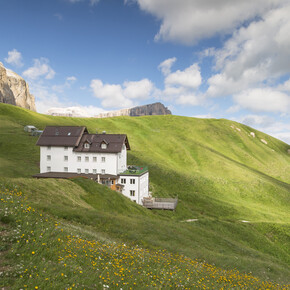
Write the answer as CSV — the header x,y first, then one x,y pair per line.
x,y
71,151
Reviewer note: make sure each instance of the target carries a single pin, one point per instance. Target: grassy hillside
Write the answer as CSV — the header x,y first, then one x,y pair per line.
x,y
220,173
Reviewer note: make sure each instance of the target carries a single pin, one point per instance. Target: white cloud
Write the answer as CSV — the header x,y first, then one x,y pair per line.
x,y
284,136
254,55
261,121
122,96
68,83
166,65
269,125
190,77
285,86
14,58
76,111
181,86
188,21
44,98
39,69
71,79
138,90
263,100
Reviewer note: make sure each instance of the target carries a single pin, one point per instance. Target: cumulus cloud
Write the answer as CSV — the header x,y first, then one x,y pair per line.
x,y
44,98
181,86
122,96
190,77
40,68
75,111
254,55
166,65
188,21
261,121
263,100
68,83
269,125
14,58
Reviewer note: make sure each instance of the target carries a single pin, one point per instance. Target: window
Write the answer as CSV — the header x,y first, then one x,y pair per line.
x,y
123,180
132,181
79,170
86,171
112,182
103,171
94,159
48,168
65,148
65,169
48,157
79,158
104,146
95,171
65,158
87,158
87,145
48,147
103,159
132,192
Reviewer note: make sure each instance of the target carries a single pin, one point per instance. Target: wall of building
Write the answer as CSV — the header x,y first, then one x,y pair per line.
x,y
144,186
58,162
135,187
122,160
140,186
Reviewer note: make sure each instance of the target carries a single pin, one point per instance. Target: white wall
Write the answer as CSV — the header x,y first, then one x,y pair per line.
x,y
144,186
141,186
115,163
58,162
122,160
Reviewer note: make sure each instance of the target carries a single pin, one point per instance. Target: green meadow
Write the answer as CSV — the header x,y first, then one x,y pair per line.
x,y
234,187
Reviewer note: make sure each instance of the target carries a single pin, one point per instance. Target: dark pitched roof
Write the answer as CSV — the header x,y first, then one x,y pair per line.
x,y
61,136
114,143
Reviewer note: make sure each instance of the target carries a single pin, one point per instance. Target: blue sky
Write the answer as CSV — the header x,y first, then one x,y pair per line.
x,y
220,59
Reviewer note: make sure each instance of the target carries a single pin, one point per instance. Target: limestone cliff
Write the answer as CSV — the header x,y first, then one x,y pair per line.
x,y
14,90
150,109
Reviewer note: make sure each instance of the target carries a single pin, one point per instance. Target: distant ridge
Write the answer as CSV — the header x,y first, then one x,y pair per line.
x,y
146,110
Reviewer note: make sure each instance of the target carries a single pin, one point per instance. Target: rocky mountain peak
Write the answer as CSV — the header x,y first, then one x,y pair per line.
x,y
150,109
14,90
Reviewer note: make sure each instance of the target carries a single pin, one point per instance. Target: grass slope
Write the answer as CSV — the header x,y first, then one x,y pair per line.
x,y
220,173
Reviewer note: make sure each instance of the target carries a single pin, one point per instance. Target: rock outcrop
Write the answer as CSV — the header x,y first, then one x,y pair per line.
x,y
151,109
14,90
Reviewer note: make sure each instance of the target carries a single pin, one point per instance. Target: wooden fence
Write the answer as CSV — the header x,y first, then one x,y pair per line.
x,y
160,203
